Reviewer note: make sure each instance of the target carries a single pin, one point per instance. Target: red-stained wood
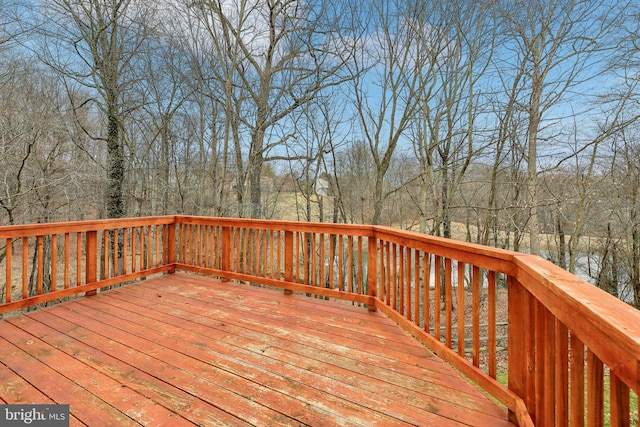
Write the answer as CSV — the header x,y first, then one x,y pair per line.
x,y
372,271
386,270
105,254
408,308
437,297
9,266
475,316
552,298
394,278
427,290
416,288
314,259
116,255
595,391
461,309
134,250
350,264
158,236
619,402
530,348
401,282
547,416
78,259
491,321
25,266
91,259
360,265
448,291
40,271
517,368
67,259
562,375
185,349
54,262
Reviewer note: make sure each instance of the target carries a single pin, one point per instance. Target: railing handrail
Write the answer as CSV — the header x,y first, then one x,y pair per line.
x,y
608,327
32,230
603,322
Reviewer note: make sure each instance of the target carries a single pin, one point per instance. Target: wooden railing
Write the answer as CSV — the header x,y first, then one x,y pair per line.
x,y
566,341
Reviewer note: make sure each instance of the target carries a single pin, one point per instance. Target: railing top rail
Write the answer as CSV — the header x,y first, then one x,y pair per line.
x,y
608,326
27,230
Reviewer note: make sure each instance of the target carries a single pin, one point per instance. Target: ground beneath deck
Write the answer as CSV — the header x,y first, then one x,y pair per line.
x,y
183,349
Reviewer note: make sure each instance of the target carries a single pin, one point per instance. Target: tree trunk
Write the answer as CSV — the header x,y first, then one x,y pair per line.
x,y
115,169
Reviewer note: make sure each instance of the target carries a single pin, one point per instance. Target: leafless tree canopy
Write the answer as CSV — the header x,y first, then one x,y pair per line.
x,y
511,124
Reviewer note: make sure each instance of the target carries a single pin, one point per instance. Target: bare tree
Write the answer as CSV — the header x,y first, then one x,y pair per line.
x,y
275,57
94,43
555,47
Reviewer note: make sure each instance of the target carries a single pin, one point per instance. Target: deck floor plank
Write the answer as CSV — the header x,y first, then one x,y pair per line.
x,y
295,382
445,394
182,349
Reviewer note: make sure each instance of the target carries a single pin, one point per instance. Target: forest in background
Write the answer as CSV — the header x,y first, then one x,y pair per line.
x,y
507,123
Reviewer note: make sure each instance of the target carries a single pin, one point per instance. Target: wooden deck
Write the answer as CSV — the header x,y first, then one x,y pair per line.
x,y
183,349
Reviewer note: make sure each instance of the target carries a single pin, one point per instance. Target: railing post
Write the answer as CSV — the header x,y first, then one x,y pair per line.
x,y
516,340
372,270
288,259
91,259
171,247
226,251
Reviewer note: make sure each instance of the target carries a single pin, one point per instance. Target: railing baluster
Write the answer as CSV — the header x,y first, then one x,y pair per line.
x,y
322,282
25,266
408,285
448,283
340,261
279,269
40,270
105,254
360,266
332,250
401,265
372,272
350,265
314,260
562,375
595,391
149,247
426,308
529,333
9,270
78,259
134,249
437,269
54,263
394,272
288,259
475,316
619,402
491,320
226,248
67,259
576,373
461,308
417,283
91,259
158,231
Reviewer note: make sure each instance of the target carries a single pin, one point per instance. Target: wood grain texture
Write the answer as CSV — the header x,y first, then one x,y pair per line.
x,y
182,349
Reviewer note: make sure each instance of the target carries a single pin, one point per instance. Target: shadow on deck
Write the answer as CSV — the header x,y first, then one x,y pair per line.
x,y
182,349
